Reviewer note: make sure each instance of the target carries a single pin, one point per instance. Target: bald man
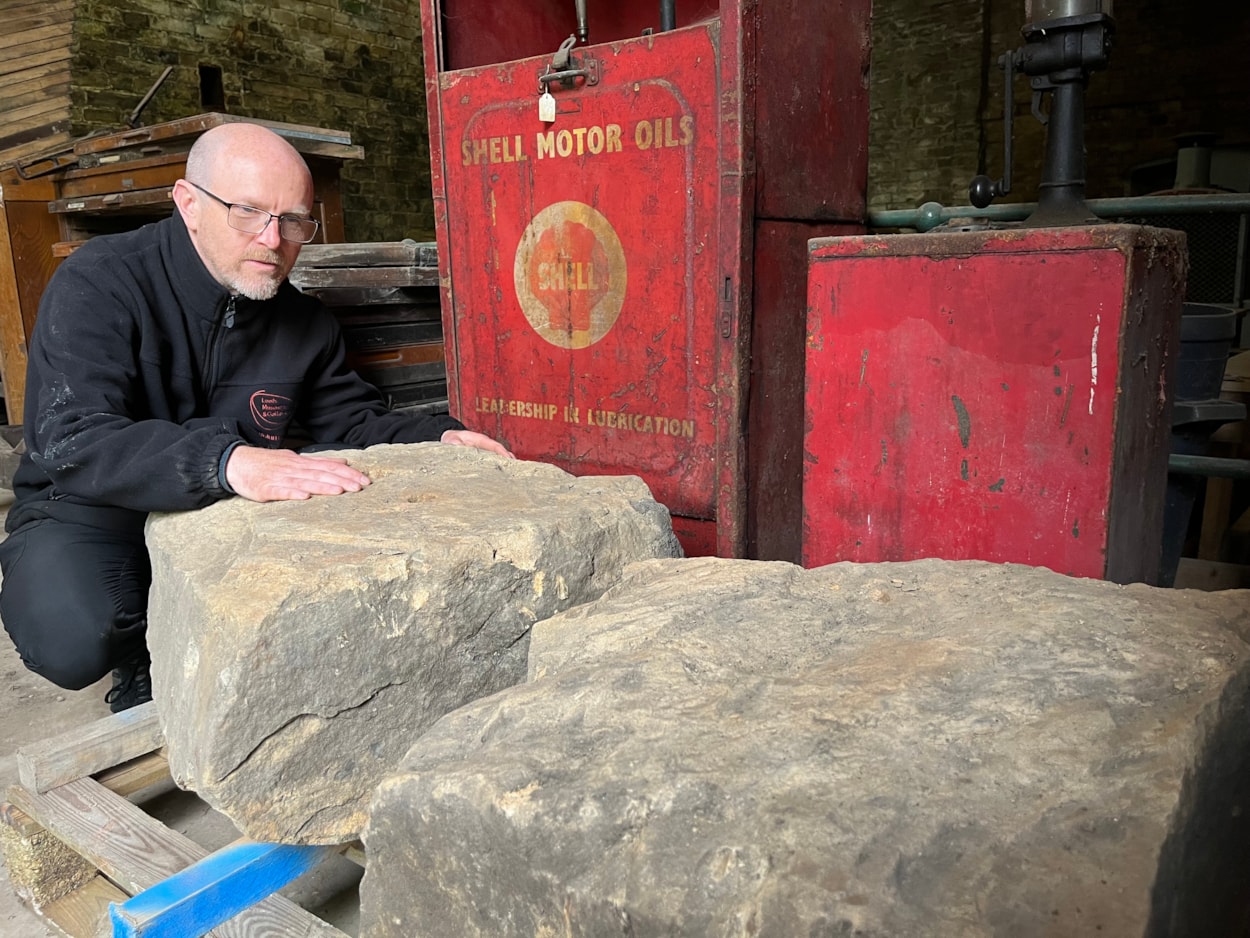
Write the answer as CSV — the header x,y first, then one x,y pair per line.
x,y
167,369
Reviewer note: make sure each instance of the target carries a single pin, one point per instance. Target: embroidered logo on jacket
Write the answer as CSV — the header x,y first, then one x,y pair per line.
x,y
272,413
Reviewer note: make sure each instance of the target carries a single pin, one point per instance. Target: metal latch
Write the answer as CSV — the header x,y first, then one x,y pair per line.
x,y
566,68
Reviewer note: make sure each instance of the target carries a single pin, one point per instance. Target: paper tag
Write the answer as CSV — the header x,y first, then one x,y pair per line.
x,y
546,107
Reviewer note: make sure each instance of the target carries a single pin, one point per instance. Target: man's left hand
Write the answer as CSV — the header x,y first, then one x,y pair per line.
x,y
475,440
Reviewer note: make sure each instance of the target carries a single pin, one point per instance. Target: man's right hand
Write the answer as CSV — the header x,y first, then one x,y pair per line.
x,y
271,475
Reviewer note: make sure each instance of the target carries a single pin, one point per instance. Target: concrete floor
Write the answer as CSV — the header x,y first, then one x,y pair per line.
x,y
32,709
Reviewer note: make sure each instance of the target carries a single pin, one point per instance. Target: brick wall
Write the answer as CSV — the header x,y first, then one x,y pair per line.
x,y
937,95
936,117
924,133
341,64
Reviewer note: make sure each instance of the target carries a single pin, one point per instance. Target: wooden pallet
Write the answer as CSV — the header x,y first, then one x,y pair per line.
x,y
73,843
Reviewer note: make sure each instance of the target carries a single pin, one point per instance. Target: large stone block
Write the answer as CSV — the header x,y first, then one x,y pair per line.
x,y
298,648
723,747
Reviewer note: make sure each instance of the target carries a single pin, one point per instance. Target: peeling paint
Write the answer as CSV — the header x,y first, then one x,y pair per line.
x,y
964,421
1093,362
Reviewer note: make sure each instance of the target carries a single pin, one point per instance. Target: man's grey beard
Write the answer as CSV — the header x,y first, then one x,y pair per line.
x,y
265,289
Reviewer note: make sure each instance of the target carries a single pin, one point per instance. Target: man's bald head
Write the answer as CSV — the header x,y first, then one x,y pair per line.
x,y
226,149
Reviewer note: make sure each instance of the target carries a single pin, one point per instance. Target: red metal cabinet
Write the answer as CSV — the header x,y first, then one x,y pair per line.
x,y
992,395
601,299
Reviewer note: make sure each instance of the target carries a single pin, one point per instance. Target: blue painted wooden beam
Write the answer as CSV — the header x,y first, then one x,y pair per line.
x,y
194,901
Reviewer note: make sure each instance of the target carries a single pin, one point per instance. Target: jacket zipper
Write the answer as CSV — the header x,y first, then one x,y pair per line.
x,y
215,339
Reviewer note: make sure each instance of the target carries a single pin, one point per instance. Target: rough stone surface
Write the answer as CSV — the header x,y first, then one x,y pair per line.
x,y
934,748
298,648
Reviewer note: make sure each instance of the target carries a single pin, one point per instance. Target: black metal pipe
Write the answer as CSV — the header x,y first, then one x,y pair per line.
x,y
1185,464
668,15
583,31
1061,196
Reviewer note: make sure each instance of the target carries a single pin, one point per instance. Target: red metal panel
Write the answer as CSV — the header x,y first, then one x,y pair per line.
x,y
653,241
575,254
811,154
775,401
479,33
965,393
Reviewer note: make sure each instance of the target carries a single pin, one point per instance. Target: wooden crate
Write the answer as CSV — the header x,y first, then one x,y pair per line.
x,y
385,296
74,842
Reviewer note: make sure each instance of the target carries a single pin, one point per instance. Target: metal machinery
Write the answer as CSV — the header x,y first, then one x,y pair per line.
x,y
999,393
623,195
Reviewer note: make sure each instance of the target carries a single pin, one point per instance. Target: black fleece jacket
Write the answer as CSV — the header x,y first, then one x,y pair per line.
x,y
143,371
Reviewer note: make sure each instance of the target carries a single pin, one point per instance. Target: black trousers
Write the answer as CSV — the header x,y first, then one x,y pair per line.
x,y
74,597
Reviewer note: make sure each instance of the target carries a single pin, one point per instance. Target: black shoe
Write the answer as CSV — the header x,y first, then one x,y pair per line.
x,y
132,684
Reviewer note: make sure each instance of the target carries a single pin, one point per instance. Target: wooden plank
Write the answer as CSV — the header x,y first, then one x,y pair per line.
x,y
334,151
66,248
12,64
312,150
52,137
35,84
35,93
12,330
14,818
30,230
21,7
1216,508
137,774
127,177
42,124
395,302
113,201
82,911
45,152
316,278
53,14
194,126
42,72
1211,575
398,357
136,851
43,34
90,749
20,117
33,16
355,851
109,165
214,889
370,254
364,336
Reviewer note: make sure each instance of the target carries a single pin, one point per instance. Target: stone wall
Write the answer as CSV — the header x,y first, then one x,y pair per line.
x,y
937,96
925,99
341,64
936,91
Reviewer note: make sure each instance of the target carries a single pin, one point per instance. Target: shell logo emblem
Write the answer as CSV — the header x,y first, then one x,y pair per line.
x,y
570,275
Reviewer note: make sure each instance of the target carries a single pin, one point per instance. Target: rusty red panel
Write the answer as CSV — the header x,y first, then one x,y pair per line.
x,y
991,396
583,265
476,33
597,270
775,399
811,150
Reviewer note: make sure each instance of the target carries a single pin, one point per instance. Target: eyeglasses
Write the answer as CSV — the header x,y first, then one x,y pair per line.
x,y
242,217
